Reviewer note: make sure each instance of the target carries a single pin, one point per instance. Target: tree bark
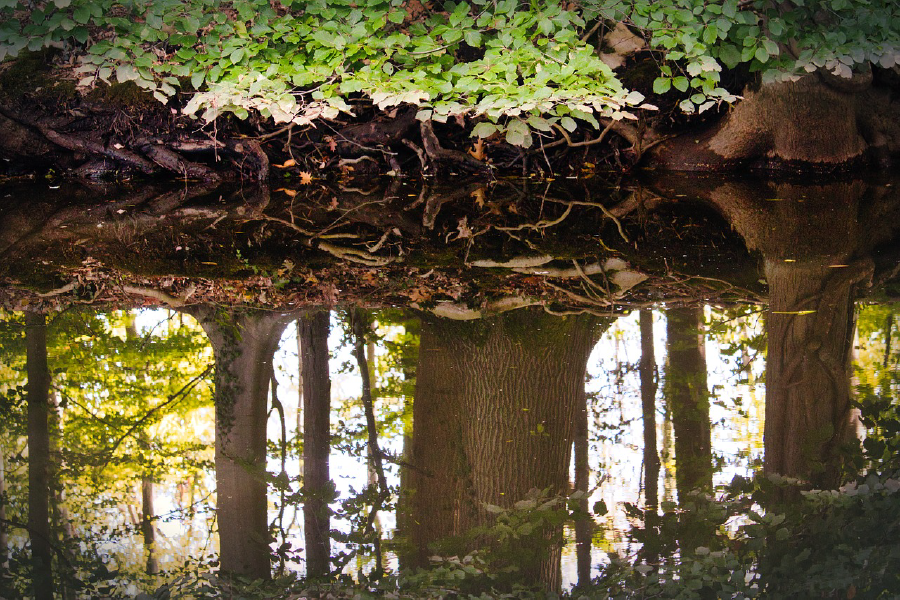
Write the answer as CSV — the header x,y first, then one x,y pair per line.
x,y
817,122
313,331
495,410
810,325
38,391
244,343
687,395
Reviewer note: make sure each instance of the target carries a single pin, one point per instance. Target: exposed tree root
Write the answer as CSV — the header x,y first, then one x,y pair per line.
x,y
171,161
444,157
364,137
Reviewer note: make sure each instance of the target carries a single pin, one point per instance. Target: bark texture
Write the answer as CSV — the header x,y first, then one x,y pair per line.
x,y
494,417
244,343
38,392
815,121
313,331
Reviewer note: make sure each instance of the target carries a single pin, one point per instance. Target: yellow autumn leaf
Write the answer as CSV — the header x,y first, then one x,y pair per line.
x,y
288,163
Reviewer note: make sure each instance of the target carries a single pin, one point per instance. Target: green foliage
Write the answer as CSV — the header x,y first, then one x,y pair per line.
x,y
781,39
303,61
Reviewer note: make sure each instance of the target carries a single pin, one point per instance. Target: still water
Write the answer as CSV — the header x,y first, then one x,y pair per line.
x,y
676,389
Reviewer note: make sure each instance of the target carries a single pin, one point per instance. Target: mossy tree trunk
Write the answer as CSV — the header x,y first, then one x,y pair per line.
x,y
494,418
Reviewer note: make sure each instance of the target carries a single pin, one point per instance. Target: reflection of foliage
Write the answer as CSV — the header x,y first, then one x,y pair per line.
x,y
129,406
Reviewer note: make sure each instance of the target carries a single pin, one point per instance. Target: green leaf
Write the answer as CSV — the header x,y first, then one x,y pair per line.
x,y
761,54
473,38
484,129
125,73
661,85
680,83
729,55
569,124
82,14
236,56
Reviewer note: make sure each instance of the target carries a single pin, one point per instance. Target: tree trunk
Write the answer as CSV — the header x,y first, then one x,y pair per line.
x,y
687,395
648,410
313,332
4,535
584,526
815,242
244,343
494,417
38,390
818,121
148,514
810,325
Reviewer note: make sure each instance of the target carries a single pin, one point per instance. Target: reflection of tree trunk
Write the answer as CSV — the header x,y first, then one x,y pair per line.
x,y
4,536
583,526
147,516
38,390
495,411
147,513
313,332
648,409
648,372
244,343
687,395
810,327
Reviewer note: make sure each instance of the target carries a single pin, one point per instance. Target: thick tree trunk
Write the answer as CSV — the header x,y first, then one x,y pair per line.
x,y
815,242
687,396
810,326
494,414
38,390
817,121
313,331
244,343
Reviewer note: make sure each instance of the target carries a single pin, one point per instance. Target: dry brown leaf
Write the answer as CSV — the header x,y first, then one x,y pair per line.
x,y
288,163
290,193
477,151
305,178
332,144
479,197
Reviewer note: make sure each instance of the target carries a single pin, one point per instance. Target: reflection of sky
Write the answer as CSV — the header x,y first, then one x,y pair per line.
x,y
615,431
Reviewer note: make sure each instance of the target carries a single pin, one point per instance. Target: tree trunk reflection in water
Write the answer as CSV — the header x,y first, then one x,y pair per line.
x,y
38,393
584,527
313,331
244,343
648,373
687,395
494,417
810,327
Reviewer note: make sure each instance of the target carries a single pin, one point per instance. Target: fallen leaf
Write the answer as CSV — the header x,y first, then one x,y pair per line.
x,y
305,178
288,163
332,144
479,197
477,151
290,193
